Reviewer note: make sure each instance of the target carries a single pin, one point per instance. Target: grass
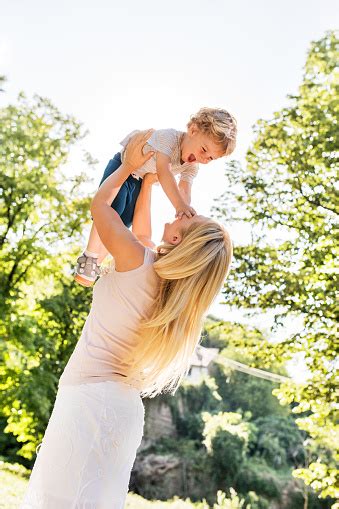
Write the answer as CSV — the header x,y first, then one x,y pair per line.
x,y
14,479
137,502
13,482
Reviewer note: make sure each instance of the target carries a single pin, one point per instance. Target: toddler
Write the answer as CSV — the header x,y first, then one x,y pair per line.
x,y
211,134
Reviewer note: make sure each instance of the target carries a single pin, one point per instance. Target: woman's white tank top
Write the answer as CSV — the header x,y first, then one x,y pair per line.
x,y
120,301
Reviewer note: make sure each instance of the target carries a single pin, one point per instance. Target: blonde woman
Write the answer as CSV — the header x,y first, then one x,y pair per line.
x,y
143,326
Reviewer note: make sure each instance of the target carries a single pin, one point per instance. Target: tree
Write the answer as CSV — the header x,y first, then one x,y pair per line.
x,y
279,441
287,193
226,439
42,214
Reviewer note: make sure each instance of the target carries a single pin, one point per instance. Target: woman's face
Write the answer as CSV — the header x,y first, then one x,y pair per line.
x,y
173,231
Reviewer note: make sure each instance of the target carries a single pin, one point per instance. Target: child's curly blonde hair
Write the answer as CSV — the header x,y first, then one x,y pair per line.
x,y
219,125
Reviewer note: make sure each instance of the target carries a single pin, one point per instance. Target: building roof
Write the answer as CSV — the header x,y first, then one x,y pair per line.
x,y
203,356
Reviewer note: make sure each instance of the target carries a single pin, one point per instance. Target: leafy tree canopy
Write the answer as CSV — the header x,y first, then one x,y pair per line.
x,y
42,214
288,193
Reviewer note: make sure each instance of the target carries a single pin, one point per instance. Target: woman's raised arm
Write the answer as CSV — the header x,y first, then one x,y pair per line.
x,y
122,244
142,223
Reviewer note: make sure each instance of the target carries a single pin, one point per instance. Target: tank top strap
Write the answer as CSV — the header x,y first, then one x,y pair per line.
x,y
150,256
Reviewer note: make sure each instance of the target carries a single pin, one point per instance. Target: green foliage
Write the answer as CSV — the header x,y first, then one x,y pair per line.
x,y
195,398
226,439
279,441
180,446
137,502
287,193
245,392
320,477
239,390
228,452
255,475
42,213
270,443
299,498
13,483
234,502
8,443
230,422
211,337
288,189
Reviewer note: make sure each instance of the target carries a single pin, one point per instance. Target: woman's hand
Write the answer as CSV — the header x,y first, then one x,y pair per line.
x,y
134,157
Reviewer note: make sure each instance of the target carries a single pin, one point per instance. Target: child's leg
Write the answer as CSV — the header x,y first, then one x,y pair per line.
x,y
95,247
133,187
88,264
111,167
124,205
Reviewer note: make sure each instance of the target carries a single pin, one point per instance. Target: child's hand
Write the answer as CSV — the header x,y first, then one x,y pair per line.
x,y
184,209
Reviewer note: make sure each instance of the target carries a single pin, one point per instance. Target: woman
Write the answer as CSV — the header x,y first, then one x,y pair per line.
x,y
144,323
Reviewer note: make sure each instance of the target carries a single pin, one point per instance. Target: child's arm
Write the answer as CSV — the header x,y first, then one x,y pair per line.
x,y
142,225
185,190
169,185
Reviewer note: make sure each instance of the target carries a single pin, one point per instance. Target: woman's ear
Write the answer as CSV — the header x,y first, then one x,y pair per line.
x,y
175,239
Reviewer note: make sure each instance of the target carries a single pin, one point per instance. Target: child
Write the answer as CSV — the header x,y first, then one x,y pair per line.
x,y
211,134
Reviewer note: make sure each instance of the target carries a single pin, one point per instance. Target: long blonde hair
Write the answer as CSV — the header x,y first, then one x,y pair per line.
x,y
190,277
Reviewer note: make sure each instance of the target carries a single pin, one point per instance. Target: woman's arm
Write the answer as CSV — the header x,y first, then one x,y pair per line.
x,y
142,224
126,249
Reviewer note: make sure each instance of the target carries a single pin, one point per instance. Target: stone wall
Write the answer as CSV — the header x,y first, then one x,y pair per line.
x,y
158,422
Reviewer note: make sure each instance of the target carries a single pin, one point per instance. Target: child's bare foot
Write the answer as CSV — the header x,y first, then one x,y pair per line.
x,y
87,270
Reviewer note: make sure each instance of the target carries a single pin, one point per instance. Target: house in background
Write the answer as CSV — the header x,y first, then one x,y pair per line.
x,y
201,361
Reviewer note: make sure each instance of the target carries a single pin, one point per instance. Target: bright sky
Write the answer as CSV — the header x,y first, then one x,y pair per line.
x,y
119,66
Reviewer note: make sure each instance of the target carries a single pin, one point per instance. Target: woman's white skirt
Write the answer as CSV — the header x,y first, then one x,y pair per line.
x,y
87,453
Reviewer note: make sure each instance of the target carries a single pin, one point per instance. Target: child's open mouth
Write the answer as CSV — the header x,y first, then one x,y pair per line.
x,y
191,158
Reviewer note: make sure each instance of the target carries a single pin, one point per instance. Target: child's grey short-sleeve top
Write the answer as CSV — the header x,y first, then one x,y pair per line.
x,y
166,141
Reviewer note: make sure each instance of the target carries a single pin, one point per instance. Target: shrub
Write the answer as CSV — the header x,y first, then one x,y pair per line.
x,y
255,475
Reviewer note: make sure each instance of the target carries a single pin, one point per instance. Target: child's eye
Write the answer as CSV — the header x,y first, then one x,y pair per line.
x,y
204,149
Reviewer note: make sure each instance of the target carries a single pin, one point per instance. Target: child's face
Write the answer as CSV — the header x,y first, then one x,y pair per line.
x,y
198,147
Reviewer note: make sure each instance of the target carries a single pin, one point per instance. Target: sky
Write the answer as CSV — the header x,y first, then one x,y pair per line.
x,y
119,66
